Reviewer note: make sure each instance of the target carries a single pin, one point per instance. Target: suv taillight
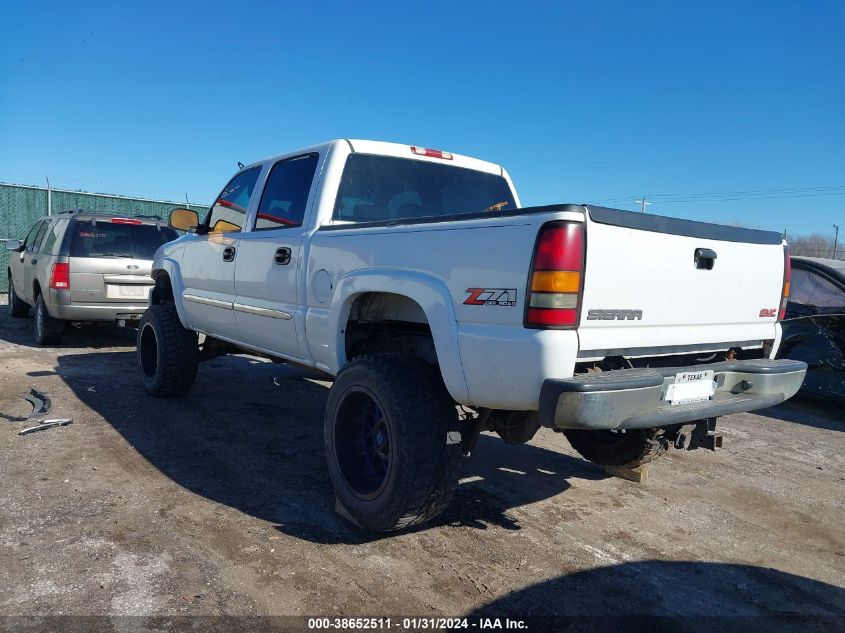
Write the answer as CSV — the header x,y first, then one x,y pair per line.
x,y
60,276
787,275
553,299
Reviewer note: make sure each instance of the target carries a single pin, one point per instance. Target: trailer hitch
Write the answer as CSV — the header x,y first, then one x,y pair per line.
x,y
698,434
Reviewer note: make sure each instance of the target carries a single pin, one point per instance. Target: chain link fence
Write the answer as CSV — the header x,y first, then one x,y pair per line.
x,y
22,205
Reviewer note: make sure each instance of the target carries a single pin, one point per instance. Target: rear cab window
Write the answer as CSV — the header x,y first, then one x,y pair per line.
x,y
103,238
382,188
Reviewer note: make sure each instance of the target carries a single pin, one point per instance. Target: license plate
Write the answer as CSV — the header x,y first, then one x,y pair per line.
x,y
691,386
127,292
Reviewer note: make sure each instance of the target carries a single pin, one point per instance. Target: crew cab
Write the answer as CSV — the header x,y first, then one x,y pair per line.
x,y
415,279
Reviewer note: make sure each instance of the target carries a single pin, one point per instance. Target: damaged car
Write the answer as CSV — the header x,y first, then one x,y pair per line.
x,y
814,329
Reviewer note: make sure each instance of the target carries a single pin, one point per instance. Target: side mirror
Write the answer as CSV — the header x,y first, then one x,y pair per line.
x,y
183,219
16,246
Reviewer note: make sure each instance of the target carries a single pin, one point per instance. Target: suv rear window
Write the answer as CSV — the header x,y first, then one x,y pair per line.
x,y
104,239
375,188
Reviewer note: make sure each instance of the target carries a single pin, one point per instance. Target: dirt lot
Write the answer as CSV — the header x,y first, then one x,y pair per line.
x,y
220,503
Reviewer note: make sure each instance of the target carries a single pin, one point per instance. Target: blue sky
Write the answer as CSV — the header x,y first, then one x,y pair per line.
x,y
588,101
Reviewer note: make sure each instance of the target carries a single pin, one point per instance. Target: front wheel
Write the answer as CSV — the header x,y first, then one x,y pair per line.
x,y
167,352
17,307
622,448
392,441
48,331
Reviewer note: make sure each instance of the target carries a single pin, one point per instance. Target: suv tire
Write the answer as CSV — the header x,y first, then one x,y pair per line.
x,y
48,331
618,449
17,307
168,353
392,441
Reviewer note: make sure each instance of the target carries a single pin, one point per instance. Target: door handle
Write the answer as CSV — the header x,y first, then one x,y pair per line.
x,y
704,258
282,256
229,254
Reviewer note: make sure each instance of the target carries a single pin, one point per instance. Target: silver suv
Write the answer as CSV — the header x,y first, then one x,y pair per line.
x,y
83,266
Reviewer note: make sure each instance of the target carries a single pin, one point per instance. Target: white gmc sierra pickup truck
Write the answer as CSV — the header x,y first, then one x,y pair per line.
x,y
413,277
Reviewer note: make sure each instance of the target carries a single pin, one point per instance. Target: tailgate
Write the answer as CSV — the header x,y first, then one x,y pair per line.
x,y
109,280
644,290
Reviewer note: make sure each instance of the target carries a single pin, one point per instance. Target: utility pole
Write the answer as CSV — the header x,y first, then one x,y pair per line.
x,y
835,239
49,196
642,204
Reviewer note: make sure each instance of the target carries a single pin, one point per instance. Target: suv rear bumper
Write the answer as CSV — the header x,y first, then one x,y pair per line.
x,y
634,398
92,311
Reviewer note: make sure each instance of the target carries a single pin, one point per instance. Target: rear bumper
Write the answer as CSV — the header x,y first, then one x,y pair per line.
x,y
634,398
60,307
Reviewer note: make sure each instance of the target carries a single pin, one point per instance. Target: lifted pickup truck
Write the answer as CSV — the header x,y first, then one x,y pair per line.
x,y
415,279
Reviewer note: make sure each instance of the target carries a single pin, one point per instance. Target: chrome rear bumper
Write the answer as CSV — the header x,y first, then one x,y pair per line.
x,y
635,398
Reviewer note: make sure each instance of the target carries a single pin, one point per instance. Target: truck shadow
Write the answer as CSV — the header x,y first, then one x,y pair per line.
x,y
655,595
249,435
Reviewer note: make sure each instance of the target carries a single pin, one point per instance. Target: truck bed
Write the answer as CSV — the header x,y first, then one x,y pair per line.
x,y
639,278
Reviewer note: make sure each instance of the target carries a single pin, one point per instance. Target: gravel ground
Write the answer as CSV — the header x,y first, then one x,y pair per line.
x,y
220,503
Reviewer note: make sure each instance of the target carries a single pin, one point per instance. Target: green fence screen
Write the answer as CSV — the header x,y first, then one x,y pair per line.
x,y
22,205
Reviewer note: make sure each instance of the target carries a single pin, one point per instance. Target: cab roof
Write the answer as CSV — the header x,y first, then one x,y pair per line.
x,y
399,150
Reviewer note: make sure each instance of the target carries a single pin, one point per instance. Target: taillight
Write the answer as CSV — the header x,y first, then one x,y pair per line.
x,y
60,276
125,221
787,275
555,282
431,153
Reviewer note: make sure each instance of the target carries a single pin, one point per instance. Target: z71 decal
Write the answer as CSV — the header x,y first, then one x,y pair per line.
x,y
491,297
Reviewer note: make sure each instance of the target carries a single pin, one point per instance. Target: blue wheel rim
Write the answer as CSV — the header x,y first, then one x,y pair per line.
x,y
363,443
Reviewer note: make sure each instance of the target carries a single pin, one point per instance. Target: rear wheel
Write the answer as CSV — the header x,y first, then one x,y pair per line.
x,y
48,331
167,352
17,307
392,441
622,448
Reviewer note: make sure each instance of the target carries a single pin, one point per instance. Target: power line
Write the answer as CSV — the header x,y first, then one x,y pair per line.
x,y
749,194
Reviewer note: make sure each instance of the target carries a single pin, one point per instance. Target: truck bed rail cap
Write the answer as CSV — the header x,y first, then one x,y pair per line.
x,y
677,226
456,217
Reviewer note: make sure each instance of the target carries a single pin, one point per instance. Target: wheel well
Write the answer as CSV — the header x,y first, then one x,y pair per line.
x,y
36,289
383,322
163,290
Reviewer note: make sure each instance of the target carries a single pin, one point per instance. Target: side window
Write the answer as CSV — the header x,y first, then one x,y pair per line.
x,y
812,290
228,211
39,237
34,237
286,193
53,241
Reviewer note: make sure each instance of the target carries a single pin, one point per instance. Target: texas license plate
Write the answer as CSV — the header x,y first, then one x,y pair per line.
x,y
691,386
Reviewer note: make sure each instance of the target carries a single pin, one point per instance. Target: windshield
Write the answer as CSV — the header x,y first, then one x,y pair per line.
x,y
104,239
378,188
